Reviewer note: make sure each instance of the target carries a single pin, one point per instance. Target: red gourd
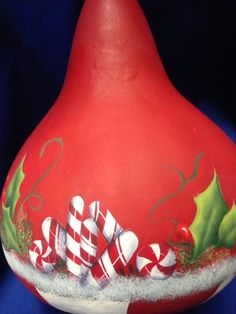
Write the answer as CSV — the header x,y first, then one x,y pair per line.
x,y
125,190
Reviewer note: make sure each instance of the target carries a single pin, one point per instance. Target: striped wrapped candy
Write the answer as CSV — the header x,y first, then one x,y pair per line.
x,y
42,256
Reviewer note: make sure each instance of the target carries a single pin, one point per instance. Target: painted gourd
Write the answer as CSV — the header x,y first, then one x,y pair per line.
x,y
125,191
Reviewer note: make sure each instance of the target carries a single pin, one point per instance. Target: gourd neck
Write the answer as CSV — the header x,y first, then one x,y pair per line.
x,y
112,45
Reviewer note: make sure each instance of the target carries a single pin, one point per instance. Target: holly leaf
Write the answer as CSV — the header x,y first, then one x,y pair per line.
x,y
227,230
8,229
13,190
211,209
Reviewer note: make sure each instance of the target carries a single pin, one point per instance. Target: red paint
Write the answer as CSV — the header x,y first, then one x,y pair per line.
x,y
183,233
170,306
125,130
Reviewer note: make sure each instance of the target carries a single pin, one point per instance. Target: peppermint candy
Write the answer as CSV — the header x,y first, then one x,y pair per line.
x,y
42,256
157,261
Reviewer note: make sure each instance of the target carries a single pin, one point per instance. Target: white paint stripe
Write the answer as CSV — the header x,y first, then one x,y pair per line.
x,y
129,244
94,210
57,245
73,267
156,273
88,242
48,252
97,208
33,257
156,250
73,246
90,225
46,228
120,251
40,245
109,226
142,262
85,265
108,264
62,243
78,203
74,223
169,259
89,249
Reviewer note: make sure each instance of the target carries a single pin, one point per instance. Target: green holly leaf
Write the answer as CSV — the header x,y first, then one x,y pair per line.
x,y
211,209
13,190
8,230
227,230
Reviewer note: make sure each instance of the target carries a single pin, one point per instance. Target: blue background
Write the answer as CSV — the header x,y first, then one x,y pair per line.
x,y
196,40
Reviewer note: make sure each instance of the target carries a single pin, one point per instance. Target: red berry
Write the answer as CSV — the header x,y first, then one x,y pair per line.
x,y
183,233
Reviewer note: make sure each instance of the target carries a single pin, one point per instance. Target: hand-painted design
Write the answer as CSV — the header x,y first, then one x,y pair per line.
x,y
77,245
73,250
183,184
18,236
113,259
42,256
211,209
73,228
33,194
211,233
88,245
156,261
24,231
106,223
11,237
227,229
55,235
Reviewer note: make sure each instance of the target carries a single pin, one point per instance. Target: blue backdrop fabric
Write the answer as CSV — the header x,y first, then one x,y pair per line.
x,y
196,40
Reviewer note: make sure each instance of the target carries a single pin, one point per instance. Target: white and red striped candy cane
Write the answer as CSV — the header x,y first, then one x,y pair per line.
x,y
42,256
106,223
75,218
88,244
113,260
55,236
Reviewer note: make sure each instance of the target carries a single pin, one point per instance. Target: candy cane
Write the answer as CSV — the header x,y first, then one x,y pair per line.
x,y
113,260
41,256
75,217
88,244
106,223
55,236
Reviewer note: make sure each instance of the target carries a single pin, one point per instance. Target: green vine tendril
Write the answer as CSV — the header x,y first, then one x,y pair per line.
x,y
33,193
183,183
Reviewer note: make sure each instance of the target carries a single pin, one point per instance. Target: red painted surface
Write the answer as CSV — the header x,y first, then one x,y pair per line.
x,y
170,306
125,129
